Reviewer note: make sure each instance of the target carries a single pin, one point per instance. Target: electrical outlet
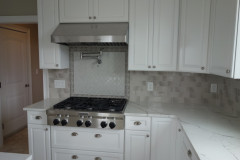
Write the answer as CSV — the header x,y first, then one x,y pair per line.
x,y
213,88
59,84
150,86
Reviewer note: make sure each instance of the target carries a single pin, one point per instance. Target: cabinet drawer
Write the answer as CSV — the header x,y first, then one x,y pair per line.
x,y
87,139
63,154
37,117
138,123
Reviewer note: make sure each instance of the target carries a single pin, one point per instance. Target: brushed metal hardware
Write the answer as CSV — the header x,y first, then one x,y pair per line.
x,y
149,67
189,152
228,71
90,17
74,134
98,158
57,65
137,123
202,68
154,66
98,135
147,135
27,85
38,117
74,157
179,130
94,17
46,129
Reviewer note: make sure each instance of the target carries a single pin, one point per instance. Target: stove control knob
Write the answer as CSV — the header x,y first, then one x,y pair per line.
x,y
103,124
88,123
79,123
64,122
56,122
112,125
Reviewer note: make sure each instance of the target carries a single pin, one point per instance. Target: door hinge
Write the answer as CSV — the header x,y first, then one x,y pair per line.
x,y
3,126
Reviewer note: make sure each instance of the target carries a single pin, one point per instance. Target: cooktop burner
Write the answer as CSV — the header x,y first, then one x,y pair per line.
x,y
92,104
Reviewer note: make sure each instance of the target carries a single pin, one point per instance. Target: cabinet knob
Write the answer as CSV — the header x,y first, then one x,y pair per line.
x,y
179,130
228,71
154,66
74,134
90,17
147,135
98,135
74,157
189,152
98,158
149,67
57,65
38,117
137,123
46,129
94,17
202,68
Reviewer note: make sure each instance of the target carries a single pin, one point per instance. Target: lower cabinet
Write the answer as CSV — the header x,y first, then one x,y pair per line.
x,y
64,154
39,141
137,145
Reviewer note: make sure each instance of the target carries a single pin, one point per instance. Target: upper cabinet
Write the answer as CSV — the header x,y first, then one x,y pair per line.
x,y
77,11
153,33
193,40
224,39
52,56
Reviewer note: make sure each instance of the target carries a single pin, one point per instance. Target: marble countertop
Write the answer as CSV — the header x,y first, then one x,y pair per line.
x,y
213,135
43,105
14,156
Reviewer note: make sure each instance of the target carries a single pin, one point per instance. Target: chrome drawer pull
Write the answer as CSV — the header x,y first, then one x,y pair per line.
x,y
98,135
137,123
98,158
38,117
74,134
74,157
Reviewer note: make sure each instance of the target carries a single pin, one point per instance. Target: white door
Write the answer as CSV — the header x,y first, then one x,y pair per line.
x,y
141,34
166,13
194,29
39,142
223,38
75,11
15,92
110,11
137,145
163,139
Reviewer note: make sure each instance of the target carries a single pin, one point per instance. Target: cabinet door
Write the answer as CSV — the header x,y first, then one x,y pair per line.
x,y
166,13
223,37
137,145
75,11
110,10
39,142
194,29
52,56
140,34
163,139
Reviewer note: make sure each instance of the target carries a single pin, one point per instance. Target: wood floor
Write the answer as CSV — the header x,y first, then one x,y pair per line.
x,y
17,143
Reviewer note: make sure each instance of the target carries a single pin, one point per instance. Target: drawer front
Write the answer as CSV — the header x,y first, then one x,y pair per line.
x,y
138,123
87,139
63,154
37,117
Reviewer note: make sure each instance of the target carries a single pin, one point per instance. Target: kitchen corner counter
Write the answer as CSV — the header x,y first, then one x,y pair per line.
x,y
213,135
14,156
43,105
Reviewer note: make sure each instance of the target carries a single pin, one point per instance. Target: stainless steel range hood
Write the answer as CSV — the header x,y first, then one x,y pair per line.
x,y
91,34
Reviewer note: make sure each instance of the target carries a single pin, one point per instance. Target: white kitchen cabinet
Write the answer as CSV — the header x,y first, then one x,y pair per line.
x,y
163,139
52,56
194,31
224,39
137,145
153,33
39,141
77,11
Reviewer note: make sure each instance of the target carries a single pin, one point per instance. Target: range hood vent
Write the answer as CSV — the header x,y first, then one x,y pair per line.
x,y
91,34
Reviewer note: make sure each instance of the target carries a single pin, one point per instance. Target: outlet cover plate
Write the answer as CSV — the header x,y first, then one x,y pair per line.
x,y
213,88
59,84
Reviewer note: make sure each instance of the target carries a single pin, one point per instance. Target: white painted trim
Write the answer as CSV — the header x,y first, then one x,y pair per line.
x,y
45,84
18,19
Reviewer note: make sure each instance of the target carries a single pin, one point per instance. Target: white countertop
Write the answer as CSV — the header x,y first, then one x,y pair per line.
x,y
43,105
213,136
14,156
